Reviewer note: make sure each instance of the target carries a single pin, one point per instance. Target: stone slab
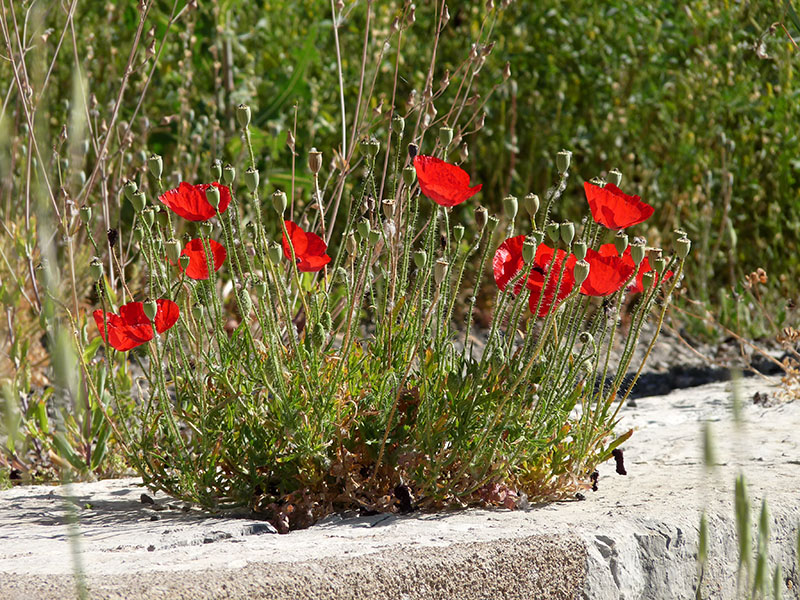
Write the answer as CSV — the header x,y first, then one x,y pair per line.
x,y
636,537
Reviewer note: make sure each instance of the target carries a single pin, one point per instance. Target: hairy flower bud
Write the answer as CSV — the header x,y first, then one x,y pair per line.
x,y
420,258
245,303
326,320
615,177
156,166
318,334
251,178
150,308
510,207
314,161
243,115
563,160
581,271
279,202
586,338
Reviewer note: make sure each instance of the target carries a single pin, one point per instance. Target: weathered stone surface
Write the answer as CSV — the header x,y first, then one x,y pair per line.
x,y
636,537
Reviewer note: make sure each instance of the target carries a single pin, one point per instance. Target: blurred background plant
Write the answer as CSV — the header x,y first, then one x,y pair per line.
x,y
695,102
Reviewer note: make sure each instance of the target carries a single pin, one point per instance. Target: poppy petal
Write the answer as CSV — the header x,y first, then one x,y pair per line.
x,y
613,208
444,183
198,266
167,314
508,261
189,201
309,249
608,271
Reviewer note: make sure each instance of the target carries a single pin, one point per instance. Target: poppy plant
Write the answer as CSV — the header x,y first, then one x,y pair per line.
x,y
309,249
190,202
131,327
608,271
543,280
614,209
198,265
445,184
507,262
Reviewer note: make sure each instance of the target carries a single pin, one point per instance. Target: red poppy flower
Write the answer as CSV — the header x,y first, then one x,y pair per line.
x,y
507,262
131,327
198,266
612,208
638,284
544,279
189,201
442,182
608,271
309,249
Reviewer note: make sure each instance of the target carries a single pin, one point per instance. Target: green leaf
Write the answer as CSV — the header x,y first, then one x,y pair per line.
x,y
91,349
65,450
792,13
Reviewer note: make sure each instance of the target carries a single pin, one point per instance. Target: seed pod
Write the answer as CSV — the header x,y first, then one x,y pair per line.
x,y
682,246
528,250
363,228
138,233
445,136
637,251
251,178
228,174
96,269
341,274
538,236
245,303
458,233
374,236
243,115
563,160
369,146
615,177
492,222
660,265
581,271
463,152
510,207
553,232
409,176
197,311
173,248
398,124
275,252
130,188
206,228
420,258
162,217
184,260
440,270
314,161
621,242
138,201
351,244
413,150
260,288
212,195
279,202
579,249
567,231
388,206
156,166
648,279
216,169
531,204
481,217
148,217
86,214
150,308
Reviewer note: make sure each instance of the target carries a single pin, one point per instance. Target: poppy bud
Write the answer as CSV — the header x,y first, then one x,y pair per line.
x,y
327,321
314,161
413,150
245,303
86,214
138,201
682,246
420,258
318,334
363,228
388,205
206,228
660,265
581,271
458,233
510,207
586,338
216,169
260,288
621,242
579,250
228,174
648,279
184,260
148,217
130,189
440,270
251,179
279,202
563,160
173,248
481,217
553,232
615,177
528,250
243,115
150,308
96,269
398,124
197,312
369,146
138,233
531,204
445,136
409,176
637,252
567,230
374,236
274,252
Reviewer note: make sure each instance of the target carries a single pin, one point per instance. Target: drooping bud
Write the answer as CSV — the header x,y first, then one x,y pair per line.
x,y
621,242
528,250
420,258
150,308
581,271
531,204
615,177
86,214
314,161
388,205
510,207
96,269
156,166
251,178
212,195
279,202
445,136
228,174
173,248
243,115
579,249
363,227
398,124
458,232
409,176
682,246
440,270
481,217
326,320
563,160
216,169
567,230
553,232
